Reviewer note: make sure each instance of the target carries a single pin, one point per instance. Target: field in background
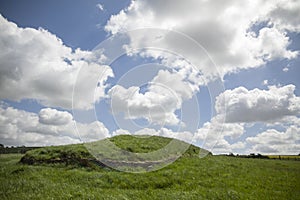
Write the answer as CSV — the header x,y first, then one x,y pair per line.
x,y
212,177
284,157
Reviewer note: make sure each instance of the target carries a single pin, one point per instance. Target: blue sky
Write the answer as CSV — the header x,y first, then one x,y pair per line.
x,y
80,24
238,93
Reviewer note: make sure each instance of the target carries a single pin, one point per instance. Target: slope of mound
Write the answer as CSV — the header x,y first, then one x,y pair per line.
x,y
119,152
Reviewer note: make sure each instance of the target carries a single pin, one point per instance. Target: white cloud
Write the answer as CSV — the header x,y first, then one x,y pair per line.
x,y
100,7
212,135
222,146
120,132
285,15
221,28
286,122
237,108
272,44
265,82
93,131
180,135
35,64
285,69
220,129
272,141
177,82
165,94
147,131
54,117
50,127
157,108
257,105
238,145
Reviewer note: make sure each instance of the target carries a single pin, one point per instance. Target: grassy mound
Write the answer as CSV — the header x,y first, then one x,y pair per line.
x,y
146,151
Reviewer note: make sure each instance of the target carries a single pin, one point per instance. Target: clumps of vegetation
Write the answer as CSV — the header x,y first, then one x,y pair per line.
x,y
76,155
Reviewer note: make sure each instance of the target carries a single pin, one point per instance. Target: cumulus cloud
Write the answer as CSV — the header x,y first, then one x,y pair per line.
x,y
120,132
273,141
49,127
147,131
35,64
273,44
54,117
257,105
234,40
177,82
165,94
211,135
221,28
238,108
157,108
92,131
285,15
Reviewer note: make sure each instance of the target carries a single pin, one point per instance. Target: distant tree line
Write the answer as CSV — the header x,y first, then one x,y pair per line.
x,y
12,149
251,155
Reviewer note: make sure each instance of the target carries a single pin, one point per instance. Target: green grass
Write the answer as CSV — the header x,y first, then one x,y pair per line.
x,y
212,177
140,144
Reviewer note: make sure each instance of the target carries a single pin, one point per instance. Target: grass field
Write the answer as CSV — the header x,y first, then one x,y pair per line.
x,y
212,177
284,157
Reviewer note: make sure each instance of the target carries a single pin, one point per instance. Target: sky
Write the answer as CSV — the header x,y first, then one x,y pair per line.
x,y
221,75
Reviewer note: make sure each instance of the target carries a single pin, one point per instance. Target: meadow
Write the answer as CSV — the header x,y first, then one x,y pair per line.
x,y
284,157
189,177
